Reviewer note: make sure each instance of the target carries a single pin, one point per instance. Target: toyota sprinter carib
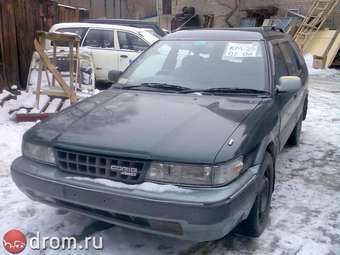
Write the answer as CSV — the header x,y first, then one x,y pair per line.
x,y
184,144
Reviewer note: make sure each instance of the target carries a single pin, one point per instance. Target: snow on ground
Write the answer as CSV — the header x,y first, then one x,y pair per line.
x,y
305,215
309,58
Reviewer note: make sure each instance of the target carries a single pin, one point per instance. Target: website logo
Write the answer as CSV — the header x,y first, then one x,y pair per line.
x,y
14,241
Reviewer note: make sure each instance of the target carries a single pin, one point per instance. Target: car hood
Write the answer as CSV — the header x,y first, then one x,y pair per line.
x,y
149,125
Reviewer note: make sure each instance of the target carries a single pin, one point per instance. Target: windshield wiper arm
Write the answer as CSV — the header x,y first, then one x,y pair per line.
x,y
157,85
229,90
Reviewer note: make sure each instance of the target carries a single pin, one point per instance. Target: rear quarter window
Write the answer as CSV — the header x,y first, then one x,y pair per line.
x,y
129,41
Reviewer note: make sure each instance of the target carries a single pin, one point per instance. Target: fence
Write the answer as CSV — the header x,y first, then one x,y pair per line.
x,y
19,20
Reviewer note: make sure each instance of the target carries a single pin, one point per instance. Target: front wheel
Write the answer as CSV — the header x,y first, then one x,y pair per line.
x,y
258,217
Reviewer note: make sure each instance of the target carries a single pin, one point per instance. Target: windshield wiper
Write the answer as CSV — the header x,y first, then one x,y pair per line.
x,y
156,85
229,91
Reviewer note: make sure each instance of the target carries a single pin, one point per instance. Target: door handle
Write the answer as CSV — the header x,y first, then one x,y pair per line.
x,y
124,56
99,68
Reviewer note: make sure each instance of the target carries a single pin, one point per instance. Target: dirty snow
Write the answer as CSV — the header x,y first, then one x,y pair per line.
x,y
305,215
320,72
146,186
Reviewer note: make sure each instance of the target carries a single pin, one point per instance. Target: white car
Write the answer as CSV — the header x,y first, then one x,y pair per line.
x,y
112,47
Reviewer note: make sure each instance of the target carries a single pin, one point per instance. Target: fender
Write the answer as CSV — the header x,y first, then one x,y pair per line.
x,y
271,141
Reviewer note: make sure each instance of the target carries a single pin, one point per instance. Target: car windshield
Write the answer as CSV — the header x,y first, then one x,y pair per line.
x,y
151,31
201,65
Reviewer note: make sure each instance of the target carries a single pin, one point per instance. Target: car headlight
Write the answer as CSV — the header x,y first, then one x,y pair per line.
x,y
204,175
38,152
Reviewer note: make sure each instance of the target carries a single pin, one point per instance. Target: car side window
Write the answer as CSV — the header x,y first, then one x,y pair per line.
x,y
128,41
281,68
75,30
291,59
99,39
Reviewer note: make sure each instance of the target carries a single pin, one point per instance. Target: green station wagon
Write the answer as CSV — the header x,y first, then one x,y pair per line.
x,y
185,142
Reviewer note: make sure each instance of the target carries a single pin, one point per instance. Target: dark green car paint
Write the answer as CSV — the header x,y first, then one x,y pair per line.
x,y
173,127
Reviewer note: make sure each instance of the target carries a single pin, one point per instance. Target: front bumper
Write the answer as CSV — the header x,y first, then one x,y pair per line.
x,y
199,214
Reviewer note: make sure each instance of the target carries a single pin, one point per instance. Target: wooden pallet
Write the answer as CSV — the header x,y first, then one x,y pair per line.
x,y
47,107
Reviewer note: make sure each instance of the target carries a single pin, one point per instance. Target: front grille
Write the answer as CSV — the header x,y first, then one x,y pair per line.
x,y
126,170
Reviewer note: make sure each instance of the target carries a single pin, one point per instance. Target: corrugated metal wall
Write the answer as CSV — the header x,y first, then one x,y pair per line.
x,y
19,20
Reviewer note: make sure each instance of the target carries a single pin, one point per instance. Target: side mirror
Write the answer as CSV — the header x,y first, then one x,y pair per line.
x,y
114,75
289,84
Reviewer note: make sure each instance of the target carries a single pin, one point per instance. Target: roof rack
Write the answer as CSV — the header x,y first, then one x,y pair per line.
x,y
272,28
187,28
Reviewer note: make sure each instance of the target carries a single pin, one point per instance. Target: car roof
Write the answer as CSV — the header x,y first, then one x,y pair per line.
x,y
113,21
128,22
94,25
240,34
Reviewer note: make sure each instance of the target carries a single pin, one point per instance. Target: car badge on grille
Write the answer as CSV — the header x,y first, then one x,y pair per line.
x,y
123,170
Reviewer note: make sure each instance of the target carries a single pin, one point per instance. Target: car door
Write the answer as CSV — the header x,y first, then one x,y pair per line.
x,y
101,44
130,47
284,101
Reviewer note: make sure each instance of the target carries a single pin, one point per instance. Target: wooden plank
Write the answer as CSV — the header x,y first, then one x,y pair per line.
x,y
25,35
332,48
66,104
58,36
55,72
3,81
10,59
71,48
43,103
29,117
41,66
52,93
54,105
77,65
54,62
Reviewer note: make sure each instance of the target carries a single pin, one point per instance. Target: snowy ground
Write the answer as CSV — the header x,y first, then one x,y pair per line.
x,y
305,215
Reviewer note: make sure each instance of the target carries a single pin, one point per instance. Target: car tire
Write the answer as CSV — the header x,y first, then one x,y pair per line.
x,y
294,138
305,109
258,217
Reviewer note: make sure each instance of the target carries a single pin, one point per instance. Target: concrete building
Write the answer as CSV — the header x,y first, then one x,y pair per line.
x,y
163,11
221,8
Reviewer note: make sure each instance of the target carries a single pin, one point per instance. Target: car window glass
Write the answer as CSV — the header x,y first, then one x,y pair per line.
x,y
303,72
202,65
290,58
75,30
99,39
128,41
155,63
280,65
